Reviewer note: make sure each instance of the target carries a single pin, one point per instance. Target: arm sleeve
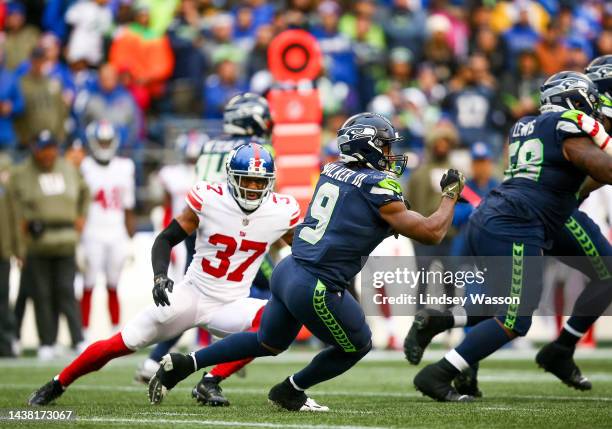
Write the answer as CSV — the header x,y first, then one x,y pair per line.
x,y
384,191
162,247
569,125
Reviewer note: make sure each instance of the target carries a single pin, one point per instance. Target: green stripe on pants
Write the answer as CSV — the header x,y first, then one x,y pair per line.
x,y
517,284
588,248
318,302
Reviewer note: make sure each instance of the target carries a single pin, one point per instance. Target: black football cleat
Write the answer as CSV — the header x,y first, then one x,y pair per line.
x,y
466,383
46,394
426,325
435,382
285,396
209,392
174,367
559,361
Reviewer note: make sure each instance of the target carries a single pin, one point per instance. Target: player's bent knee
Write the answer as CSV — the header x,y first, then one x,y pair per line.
x,y
515,327
272,351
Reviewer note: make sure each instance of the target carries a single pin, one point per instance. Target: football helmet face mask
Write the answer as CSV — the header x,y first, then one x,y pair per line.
x,y
600,72
367,138
570,90
247,114
102,140
250,175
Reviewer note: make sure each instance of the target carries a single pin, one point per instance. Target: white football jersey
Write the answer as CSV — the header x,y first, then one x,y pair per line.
x,y
177,180
112,192
231,244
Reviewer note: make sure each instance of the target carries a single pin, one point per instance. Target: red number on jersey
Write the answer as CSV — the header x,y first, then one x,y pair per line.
x,y
100,198
112,201
217,188
259,248
224,257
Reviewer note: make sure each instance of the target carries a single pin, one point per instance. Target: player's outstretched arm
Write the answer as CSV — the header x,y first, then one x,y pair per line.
x,y
432,229
180,228
581,152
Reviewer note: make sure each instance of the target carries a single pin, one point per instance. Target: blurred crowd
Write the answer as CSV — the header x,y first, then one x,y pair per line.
x,y
474,64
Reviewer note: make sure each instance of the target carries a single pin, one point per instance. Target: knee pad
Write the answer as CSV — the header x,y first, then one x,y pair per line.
x,y
519,325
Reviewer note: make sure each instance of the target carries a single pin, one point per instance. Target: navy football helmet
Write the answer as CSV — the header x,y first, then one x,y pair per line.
x,y
252,161
247,114
363,138
102,140
570,90
600,72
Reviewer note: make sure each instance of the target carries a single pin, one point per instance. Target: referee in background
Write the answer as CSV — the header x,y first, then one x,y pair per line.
x,y
51,201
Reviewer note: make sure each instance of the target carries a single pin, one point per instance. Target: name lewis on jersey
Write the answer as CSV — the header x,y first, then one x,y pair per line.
x,y
523,129
343,174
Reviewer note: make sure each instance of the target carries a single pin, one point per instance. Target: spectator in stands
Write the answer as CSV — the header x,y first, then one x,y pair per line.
x,y
493,47
244,27
404,25
161,13
438,51
263,12
10,240
577,57
146,55
258,59
187,39
551,50
603,44
520,90
221,39
52,200
45,108
337,47
222,86
91,20
53,67
109,101
473,106
400,70
521,35
11,105
21,38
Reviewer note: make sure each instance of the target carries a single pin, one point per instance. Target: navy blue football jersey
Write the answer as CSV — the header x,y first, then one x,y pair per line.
x,y
210,166
343,223
539,190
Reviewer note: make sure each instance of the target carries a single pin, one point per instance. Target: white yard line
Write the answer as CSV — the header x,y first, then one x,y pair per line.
x,y
217,423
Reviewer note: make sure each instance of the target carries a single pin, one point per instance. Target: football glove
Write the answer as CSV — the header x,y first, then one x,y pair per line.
x,y
161,283
596,130
452,184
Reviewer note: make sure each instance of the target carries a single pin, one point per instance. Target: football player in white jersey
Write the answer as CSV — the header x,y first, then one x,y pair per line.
x,y
110,221
236,223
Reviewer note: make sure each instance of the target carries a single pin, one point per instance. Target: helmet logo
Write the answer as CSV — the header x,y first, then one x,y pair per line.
x,y
256,165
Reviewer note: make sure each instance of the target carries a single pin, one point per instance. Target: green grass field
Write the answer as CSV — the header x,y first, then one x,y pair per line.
x,y
376,393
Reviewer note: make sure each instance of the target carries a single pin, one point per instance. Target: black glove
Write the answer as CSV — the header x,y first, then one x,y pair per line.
x,y
452,183
161,282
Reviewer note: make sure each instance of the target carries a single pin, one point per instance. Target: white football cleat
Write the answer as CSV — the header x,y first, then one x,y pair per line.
x,y
311,405
146,371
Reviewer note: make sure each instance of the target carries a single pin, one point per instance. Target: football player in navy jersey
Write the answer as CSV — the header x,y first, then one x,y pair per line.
x,y
550,156
357,203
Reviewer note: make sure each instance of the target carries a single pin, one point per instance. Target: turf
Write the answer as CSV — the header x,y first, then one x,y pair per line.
x,y
376,393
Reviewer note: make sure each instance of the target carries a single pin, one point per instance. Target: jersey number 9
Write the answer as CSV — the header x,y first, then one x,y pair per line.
x,y
321,209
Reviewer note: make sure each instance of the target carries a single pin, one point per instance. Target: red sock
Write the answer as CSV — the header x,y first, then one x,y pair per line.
x,y
86,307
93,358
113,305
224,370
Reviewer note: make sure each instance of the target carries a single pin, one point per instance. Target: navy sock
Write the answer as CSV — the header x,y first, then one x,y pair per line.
x,y
234,347
329,363
162,349
574,329
482,340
